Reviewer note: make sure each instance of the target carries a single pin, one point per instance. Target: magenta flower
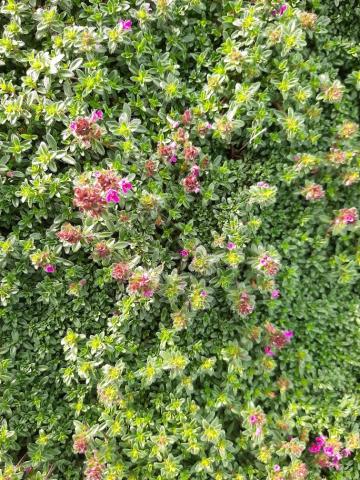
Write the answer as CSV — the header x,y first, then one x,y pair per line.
x,y
230,246
314,448
268,351
173,159
49,268
320,440
203,293
73,126
282,9
125,24
288,334
112,196
277,468
275,293
253,419
96,115
346,452
125,185
184,252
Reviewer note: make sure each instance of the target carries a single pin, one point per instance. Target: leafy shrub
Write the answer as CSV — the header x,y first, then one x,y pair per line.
x,y
179,257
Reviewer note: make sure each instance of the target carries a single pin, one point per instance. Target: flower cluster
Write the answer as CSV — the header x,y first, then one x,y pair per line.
x,y
86,129
328,453
277,339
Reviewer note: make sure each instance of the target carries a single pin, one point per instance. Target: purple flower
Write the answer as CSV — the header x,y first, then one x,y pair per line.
x,y
96,115
275,293
329,451
262,185
184,252
112,196
268,351
203,293
49,268
230,246
125,185
277,468
125,24
73,126
173,159
346,452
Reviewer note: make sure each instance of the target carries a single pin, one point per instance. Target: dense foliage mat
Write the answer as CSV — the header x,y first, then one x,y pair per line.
x,y
179,240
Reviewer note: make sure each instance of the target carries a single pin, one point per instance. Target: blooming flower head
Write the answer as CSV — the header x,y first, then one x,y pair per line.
x,y
125,185
313,192
314,448
184,252
253,419
320,440
121,271
173,159
230,246
49,268
112,196
288,334
203,293
148,293
195,170
125,24
96,115
328,450
191,184
277,468
268,351
275,293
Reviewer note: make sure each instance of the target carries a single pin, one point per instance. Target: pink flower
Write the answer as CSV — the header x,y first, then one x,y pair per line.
x,y
268,351
253,419
49,268
275,293
73,126
320,440
262,185
283,9
329,451
173,159
277,468
148,293
96,115
314,448
112,196
184,252
346,452
230,246
195,170
288,334
125,24
125,185
203,293
258,431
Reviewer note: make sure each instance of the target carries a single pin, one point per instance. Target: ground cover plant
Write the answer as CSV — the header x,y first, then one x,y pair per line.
x,y
179,240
